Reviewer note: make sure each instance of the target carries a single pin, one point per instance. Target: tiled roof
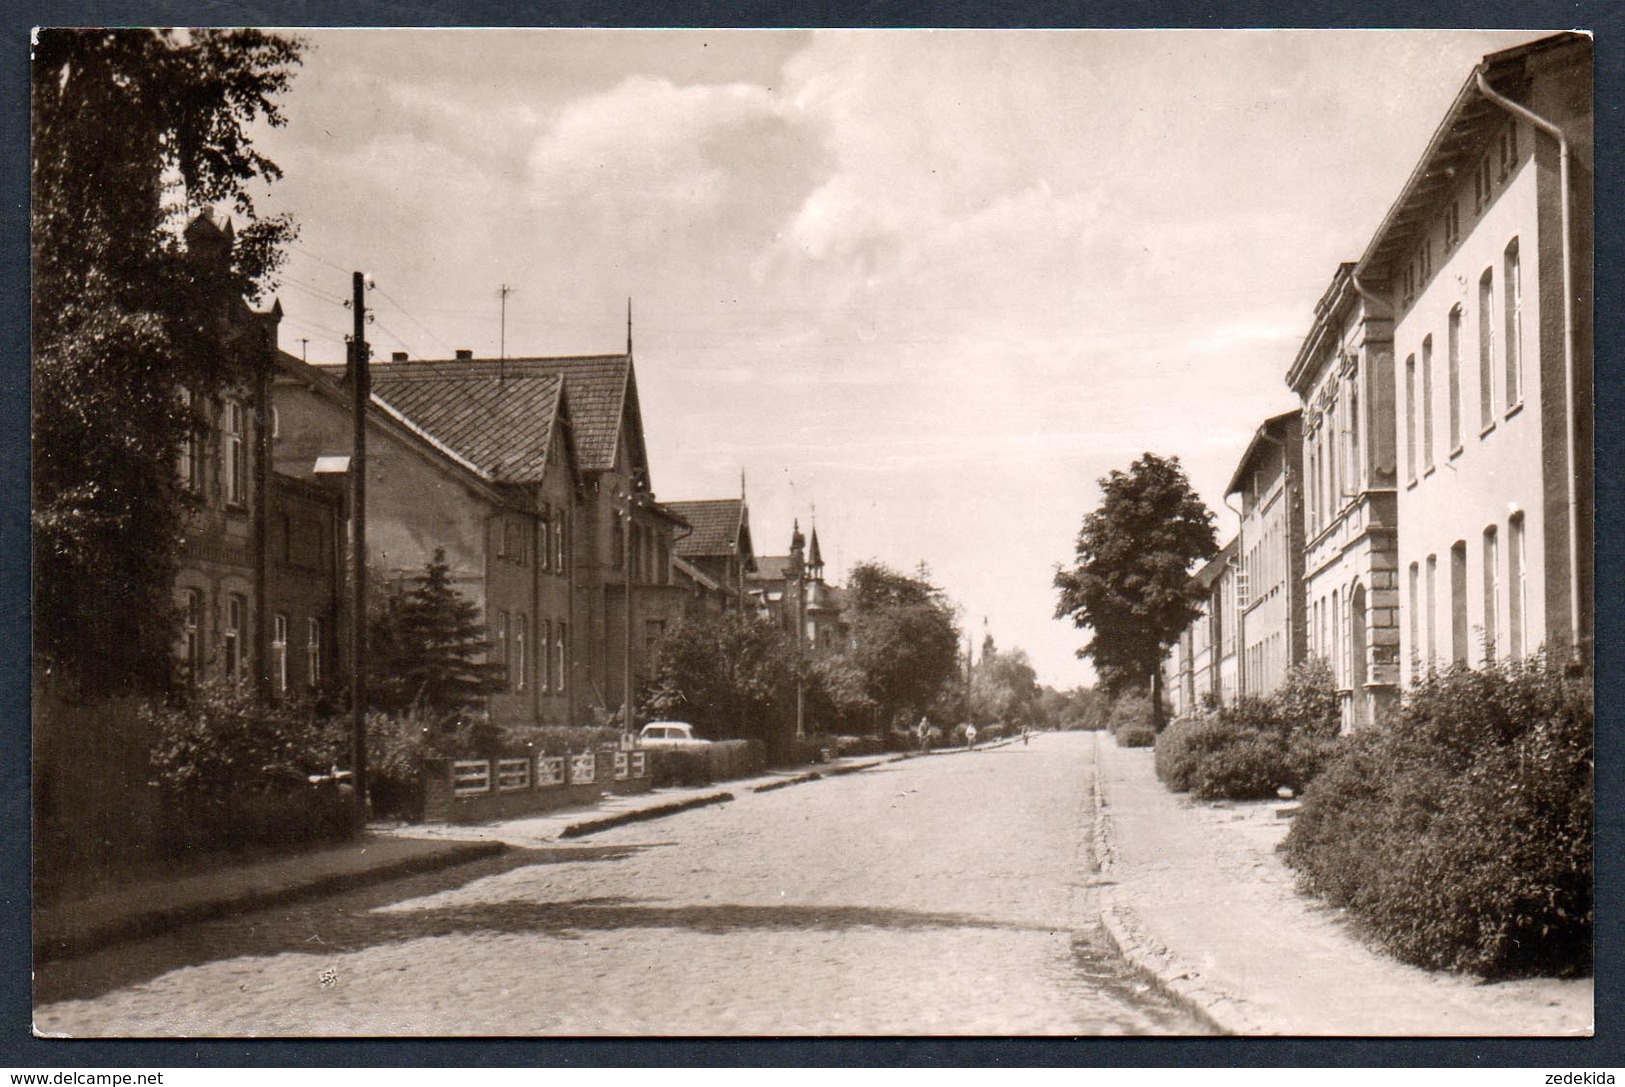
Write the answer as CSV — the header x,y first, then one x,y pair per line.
x,y
716,524
596,386
771,568
503,426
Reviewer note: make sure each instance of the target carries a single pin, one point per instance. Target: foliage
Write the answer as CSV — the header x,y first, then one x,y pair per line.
x,y
1131,583
729,675
907,643
132,130
1130,719
1460,837
836,695
222,740
426,647
1004,687
1250,749
721,761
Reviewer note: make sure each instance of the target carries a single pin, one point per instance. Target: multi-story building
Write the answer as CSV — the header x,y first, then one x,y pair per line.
x,y
1270,634
1344,378
1212,634
257,583
1483,266
717,547
619,537
793,591
479,470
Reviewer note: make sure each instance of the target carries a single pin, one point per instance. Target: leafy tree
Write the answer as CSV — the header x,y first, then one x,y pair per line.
x,y
1004,687
427,649
907,643
134,131
731,675
1131,581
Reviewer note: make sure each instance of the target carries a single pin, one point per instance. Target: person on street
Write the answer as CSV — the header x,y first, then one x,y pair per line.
x,y
970,737
923,732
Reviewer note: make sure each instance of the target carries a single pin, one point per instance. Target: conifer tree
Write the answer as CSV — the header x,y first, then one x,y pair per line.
x,y
429,646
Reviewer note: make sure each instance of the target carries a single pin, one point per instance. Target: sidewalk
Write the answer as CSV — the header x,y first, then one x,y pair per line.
x,y
1195,895
78,925
134,911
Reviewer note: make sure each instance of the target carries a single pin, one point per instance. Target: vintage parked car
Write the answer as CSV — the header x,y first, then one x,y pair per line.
x,y
669,734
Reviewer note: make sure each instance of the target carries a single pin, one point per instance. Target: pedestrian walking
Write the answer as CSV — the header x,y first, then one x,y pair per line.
x,y
923,733
970,737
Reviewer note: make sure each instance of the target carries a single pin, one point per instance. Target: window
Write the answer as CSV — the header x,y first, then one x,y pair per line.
x,y
544,655
1356,468
193,620
1508,150
515,547
544,544
1486,349
313,651
521,643
561,529
1452,226
189,460
1512,297
1427,403
233,462
1458,601
1483,186
1453,346
1517,589
561,657
499,640
1337,639
1410,418
1416,611
617,543
236,616
1429,616
279,652
1492,593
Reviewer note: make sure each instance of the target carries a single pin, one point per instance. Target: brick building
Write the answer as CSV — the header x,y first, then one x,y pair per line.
x,y
1270,634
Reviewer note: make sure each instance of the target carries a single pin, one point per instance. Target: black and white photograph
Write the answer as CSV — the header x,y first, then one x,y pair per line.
x,y
811,533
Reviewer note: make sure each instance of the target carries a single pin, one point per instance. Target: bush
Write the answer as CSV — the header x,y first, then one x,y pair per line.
x,y
1131,710
720,761
234,771
1135,735
865,745
1248,750
1460,838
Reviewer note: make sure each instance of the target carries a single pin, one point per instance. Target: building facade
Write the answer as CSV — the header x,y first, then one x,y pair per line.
x,y
1270,627
1344,378
1484,262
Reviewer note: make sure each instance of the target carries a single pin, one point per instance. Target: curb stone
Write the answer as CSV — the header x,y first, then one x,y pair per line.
x,y
1178,980
48,946
659,811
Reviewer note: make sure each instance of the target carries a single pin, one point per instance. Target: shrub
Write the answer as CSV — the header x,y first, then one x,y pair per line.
x,y
1131,710
234,771
1184,744
721,761
1135,735
1460,837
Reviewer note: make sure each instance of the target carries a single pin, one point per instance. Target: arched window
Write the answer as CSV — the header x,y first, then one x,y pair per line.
x,y
1512,297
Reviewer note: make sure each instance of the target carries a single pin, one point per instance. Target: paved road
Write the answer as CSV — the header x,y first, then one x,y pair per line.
x,y
946,895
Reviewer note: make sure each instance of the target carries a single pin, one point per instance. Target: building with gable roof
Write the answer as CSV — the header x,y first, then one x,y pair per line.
x,y
619,539
793,591
480,468
1270,627
716,554
1483,267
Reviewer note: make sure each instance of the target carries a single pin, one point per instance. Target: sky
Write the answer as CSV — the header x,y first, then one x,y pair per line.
x,y
925,287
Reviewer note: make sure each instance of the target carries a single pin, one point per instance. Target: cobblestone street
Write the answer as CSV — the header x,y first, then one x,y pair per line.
x,y
945,895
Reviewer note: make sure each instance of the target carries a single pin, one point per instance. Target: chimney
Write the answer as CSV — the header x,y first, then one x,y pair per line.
x,y
465,355
397,356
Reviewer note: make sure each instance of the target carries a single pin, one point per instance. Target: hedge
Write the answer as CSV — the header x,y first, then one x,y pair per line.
x,y
1460,838
702,765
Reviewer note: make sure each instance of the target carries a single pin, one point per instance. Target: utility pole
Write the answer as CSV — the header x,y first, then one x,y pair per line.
x,y
361,389
304,349
627,567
